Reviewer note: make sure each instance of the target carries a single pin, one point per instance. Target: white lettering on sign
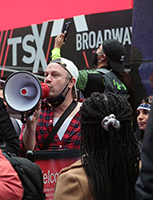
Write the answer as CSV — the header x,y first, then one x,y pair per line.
x,y
92,40
50,177
36,55
14,42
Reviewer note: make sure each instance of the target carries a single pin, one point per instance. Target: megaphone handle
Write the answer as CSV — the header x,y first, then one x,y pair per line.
x,y
28,115
31,112
23,117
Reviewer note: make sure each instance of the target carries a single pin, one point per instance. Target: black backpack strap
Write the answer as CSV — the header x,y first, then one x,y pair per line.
x,y
58,124
2,144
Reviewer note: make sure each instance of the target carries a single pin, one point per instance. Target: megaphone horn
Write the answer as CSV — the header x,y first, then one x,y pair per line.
x,y
22,91
28,91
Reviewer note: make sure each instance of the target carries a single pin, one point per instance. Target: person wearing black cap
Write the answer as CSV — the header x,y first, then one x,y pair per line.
x,y
109,74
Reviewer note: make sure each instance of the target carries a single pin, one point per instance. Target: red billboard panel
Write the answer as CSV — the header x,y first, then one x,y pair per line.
x,y
16,14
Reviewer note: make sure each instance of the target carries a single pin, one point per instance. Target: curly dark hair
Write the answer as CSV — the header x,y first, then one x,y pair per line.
x,y
110,158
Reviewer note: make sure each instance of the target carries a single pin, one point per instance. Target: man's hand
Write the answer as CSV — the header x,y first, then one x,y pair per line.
x,y
59,41
34,117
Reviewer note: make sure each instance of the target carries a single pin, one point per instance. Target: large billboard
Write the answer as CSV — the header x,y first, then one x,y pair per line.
x,y
27,35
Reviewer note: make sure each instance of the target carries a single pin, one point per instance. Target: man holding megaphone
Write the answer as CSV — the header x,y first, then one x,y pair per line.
x,y
60,76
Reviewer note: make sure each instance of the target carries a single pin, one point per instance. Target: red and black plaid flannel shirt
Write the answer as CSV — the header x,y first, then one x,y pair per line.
x,y
70,140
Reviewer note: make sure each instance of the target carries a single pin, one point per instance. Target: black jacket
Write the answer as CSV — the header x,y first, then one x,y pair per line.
x,y
7,131
139,138
144,184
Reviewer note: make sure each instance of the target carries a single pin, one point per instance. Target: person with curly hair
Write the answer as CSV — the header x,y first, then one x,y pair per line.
x,y
109,164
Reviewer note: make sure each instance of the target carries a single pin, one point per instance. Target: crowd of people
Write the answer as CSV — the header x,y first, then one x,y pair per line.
x,y
100,126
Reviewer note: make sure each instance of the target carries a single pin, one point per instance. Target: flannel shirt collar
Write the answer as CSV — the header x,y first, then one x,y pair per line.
x,y
45,103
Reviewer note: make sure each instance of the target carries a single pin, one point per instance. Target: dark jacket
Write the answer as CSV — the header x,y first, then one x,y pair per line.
x,y
100,80
139,138
7,131
144,184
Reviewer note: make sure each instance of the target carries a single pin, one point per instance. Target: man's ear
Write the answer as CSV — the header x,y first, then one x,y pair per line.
x,y
104,56
72,82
